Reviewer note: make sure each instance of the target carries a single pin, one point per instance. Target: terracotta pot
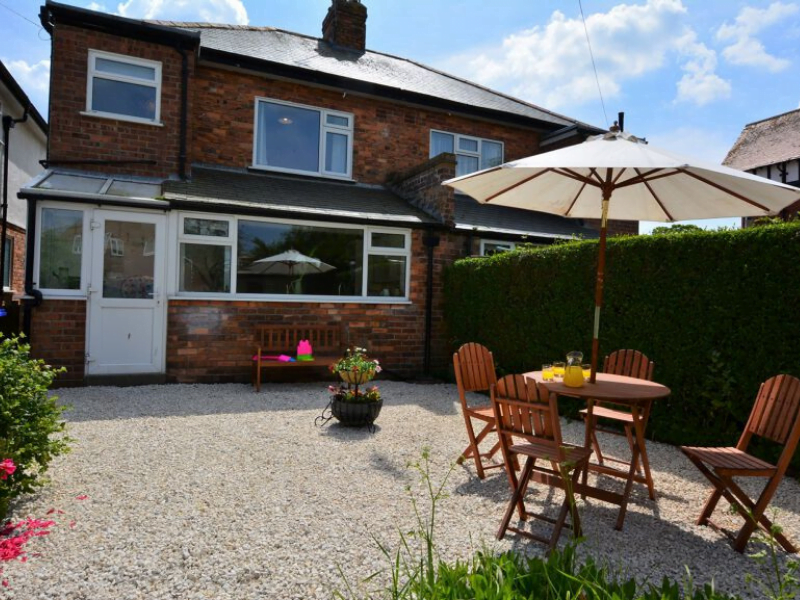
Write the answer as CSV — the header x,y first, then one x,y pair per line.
x,y
356,377
356,414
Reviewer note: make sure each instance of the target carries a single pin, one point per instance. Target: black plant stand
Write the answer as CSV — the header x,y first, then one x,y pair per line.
x,y
351,414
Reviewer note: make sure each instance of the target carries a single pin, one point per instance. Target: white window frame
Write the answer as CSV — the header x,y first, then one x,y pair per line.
x,y
325,128
510,245
85,235
457,137
92,73
207,240
10,258
371,249
232,240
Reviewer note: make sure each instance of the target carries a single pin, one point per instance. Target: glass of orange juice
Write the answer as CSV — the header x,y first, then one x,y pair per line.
x,y
547,372
587,371
558,369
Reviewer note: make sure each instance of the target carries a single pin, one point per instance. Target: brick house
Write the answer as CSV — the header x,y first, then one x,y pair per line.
x,y
23,144
770,148
183,156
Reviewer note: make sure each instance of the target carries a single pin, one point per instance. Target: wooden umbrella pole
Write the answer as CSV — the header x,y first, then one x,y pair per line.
x,y
598,290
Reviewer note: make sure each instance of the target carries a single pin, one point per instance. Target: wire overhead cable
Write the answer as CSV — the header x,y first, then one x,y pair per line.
x,y
594,66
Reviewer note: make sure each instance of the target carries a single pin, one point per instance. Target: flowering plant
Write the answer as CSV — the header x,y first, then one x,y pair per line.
x,y
355,360
344,393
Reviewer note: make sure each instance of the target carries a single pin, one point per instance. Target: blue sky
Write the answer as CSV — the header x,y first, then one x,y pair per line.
x,y
689,74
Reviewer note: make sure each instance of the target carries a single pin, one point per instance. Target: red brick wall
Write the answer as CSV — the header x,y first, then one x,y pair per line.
x,y
387,137
74,136
17,236
58,336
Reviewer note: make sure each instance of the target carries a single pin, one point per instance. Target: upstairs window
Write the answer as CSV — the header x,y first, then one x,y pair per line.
x,y
124,87
472,154
303,139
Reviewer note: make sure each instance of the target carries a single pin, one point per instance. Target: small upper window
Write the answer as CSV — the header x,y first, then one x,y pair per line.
x,y
472,154
124,87
303,139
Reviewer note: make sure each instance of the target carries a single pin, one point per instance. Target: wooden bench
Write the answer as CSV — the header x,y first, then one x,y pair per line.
x,y
274,340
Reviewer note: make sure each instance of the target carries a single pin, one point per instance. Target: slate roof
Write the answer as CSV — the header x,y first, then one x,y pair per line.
x,y
383,70
212,187
488,219
766,142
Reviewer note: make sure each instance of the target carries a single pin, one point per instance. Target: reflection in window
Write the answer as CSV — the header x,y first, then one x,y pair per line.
x,y
278,258
128,266
205,268
387,275
60,255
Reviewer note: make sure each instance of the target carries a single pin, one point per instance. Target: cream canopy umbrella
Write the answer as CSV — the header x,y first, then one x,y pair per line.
x,y
618,176
290,262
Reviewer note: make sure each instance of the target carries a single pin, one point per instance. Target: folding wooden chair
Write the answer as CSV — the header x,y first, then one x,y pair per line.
x,y
630,363
474,368
775,416
528,426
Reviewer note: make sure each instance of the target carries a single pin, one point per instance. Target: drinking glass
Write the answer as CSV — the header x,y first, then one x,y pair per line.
x,y
558,369
547,372
587,371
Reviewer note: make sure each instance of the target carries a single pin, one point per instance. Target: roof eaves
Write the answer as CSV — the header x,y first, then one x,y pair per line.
x,y
16,90
55,12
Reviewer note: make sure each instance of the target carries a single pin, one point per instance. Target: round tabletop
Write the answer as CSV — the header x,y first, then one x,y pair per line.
x,y
607,387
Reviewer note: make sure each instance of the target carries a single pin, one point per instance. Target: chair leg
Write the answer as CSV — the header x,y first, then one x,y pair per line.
x,y
595,442
754,516
472,451
516,497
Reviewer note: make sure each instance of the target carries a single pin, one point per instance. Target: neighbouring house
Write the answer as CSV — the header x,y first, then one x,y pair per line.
x,y
770,148
23,144
185,157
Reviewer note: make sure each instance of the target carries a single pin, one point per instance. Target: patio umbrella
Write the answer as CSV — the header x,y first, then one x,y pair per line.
x,y
618,176
289,263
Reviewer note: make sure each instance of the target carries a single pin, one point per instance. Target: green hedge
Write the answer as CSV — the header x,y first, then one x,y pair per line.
x,y
718,312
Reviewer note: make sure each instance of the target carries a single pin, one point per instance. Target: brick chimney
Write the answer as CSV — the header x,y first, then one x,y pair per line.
x,y
345,25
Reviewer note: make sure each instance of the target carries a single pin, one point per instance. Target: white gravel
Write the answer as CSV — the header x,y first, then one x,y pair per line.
x,y
214,491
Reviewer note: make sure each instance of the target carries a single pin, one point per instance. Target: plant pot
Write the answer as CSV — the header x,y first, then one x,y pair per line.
x,y
356,377
356,414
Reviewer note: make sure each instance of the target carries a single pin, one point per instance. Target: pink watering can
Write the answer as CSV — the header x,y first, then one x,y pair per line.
x,y
304,350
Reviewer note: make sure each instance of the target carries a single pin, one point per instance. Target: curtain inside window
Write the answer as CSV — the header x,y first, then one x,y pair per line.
x,y
441,142
336,153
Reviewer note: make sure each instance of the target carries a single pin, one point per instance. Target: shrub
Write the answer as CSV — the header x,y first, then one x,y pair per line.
x,y
31,427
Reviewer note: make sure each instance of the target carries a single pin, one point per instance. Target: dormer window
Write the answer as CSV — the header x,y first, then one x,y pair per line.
x,y
123,87
303,139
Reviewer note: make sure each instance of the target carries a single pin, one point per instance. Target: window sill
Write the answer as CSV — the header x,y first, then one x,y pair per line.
x,y
290,298
301,174
126,119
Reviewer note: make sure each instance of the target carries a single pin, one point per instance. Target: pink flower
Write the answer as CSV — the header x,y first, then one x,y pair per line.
x,y
81,497
7,467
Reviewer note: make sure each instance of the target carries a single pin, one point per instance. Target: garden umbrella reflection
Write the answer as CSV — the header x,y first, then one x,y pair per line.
x,y
288,263
618,176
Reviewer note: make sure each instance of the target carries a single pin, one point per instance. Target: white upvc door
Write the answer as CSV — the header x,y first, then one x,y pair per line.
x,y
126,311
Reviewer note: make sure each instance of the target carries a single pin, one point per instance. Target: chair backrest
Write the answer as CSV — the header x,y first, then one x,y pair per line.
x,y
474,368
525,409
776,415
630,363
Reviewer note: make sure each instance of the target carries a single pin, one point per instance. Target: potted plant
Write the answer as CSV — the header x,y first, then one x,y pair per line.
x,y
355,367
354,407
351,405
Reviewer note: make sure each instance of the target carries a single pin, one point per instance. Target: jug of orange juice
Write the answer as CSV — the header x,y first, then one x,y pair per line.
x,y
573,373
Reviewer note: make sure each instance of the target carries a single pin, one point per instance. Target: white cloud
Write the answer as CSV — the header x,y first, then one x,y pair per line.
x,y
34,79
745,49
699,85
210,11
550,65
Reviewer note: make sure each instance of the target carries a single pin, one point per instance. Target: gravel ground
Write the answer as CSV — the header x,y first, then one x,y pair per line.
x,y
214,491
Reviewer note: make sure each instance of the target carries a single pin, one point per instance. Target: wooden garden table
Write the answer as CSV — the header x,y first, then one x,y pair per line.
x,y
629,391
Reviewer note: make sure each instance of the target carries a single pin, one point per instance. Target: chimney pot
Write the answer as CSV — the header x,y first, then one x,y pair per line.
x,y
345,25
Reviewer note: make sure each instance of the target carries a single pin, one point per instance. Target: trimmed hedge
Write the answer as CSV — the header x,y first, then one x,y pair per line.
x,y
718,312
